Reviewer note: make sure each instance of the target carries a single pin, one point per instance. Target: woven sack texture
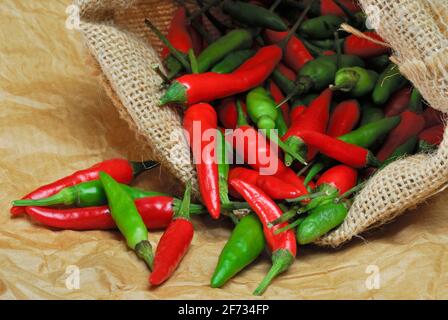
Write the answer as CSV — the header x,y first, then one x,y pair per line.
x,y
115,34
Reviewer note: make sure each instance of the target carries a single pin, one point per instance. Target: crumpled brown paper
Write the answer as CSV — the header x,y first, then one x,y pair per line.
x,y
55,119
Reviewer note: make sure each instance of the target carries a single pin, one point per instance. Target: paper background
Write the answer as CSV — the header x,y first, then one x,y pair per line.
x,y
55,119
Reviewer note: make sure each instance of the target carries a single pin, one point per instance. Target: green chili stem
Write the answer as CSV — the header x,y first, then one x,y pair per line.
x,y
294,28
289,226
305,168
274,138
232,205
348,13
204,9
176,54
241,120
275,5
193,61
309,196
184,208
284,217
160,73
353,190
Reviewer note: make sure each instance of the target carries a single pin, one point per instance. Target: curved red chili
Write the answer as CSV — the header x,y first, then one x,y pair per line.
x,y
121,170
178,33
433,117
156,212
411,124
432,136
296,112
296,54
346,153
363,47
398,102
204,87
341,177
227,112
174,243
344,118
204,115
282,245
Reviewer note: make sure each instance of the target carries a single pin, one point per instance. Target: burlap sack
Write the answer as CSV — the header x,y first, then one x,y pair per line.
x,y
417,30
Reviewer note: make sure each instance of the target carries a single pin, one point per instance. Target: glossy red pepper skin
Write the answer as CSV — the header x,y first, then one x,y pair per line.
x,y
156,212
178,33
329,7
283,245
287,72
314,118
411,124
364,48
248,175
398,102
296,54
346,153
278,96
341,177
432,135
433,117
204,87
120,169
296,112
206,164
228,114
172,247
256,151
344,118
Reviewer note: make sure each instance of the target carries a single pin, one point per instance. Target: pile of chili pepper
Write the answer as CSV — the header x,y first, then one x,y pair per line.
x,y
286,116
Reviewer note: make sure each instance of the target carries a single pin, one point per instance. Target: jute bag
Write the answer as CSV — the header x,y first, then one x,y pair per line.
x,y
417,30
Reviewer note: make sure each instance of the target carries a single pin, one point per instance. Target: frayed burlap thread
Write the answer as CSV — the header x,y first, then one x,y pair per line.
x,y
417,31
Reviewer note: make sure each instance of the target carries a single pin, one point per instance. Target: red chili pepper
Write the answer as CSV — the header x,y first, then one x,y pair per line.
x,y
178,33
296,54
194,88
204,115
196,38
256,151
433,117
398,102
433,135
341,177
344,118
346,153
121,170
282,245
174,243
364,48
278,96
411,124
156,212
315,118
228,114
287,72
329,7
296,112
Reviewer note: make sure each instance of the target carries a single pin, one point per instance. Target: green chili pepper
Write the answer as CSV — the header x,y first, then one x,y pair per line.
x,y
127,218
355,80
232,61
318,74
389,81
327,44
366,135
308,98
379,63
322,27
286,85
321,220
405,149
322,163
234,40
223,167
371,115
244,245
254,15
262,110
416,102
85,194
